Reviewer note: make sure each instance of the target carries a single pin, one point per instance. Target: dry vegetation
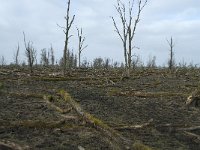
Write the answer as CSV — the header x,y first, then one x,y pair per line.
x,y
97,109
52,106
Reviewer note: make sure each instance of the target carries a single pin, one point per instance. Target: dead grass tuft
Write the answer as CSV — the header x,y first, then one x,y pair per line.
x,y
140,146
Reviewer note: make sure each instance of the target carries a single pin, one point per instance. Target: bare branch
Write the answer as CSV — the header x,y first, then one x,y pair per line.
x,y
135,47
170,42
140,8
70,24
61,26
70,36
117,30
84,48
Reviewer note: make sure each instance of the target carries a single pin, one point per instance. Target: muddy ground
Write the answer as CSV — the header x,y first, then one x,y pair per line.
x,y
147,108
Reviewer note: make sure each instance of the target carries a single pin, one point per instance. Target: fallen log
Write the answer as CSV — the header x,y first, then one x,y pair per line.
x,y
117,141
189,128
8,145
134,127
175,128
194,137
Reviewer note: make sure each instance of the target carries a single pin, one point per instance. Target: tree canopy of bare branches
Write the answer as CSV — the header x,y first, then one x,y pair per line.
x,y
129,22
44,57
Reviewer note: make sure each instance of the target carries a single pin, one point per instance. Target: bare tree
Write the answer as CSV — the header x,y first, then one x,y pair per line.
x,y
151,63
67,35
136,61
81,46
171,62
2,61
123,36
116,64
52,55
98,63
129,25
44,57
16,56
47,57
107,63
85,63
72,60
30,53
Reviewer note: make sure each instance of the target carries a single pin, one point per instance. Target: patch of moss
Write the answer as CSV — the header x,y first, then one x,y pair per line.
x,y
66,95
96,121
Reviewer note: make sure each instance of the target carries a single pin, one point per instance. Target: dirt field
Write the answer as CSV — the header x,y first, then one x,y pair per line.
x,y
146,109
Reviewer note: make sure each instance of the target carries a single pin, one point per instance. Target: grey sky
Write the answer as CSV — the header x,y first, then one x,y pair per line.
x,y
160,20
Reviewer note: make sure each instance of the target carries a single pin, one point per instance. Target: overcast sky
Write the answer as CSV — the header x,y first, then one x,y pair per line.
x,y
160,20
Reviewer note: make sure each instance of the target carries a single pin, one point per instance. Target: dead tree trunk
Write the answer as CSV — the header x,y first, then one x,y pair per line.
x,y
16,56
2,61
52,55
123,36
81,41
131,32
67,36
171,62
128,32
30,53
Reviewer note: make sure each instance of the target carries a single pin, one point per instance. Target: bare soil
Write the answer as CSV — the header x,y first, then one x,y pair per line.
x,y
27,120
